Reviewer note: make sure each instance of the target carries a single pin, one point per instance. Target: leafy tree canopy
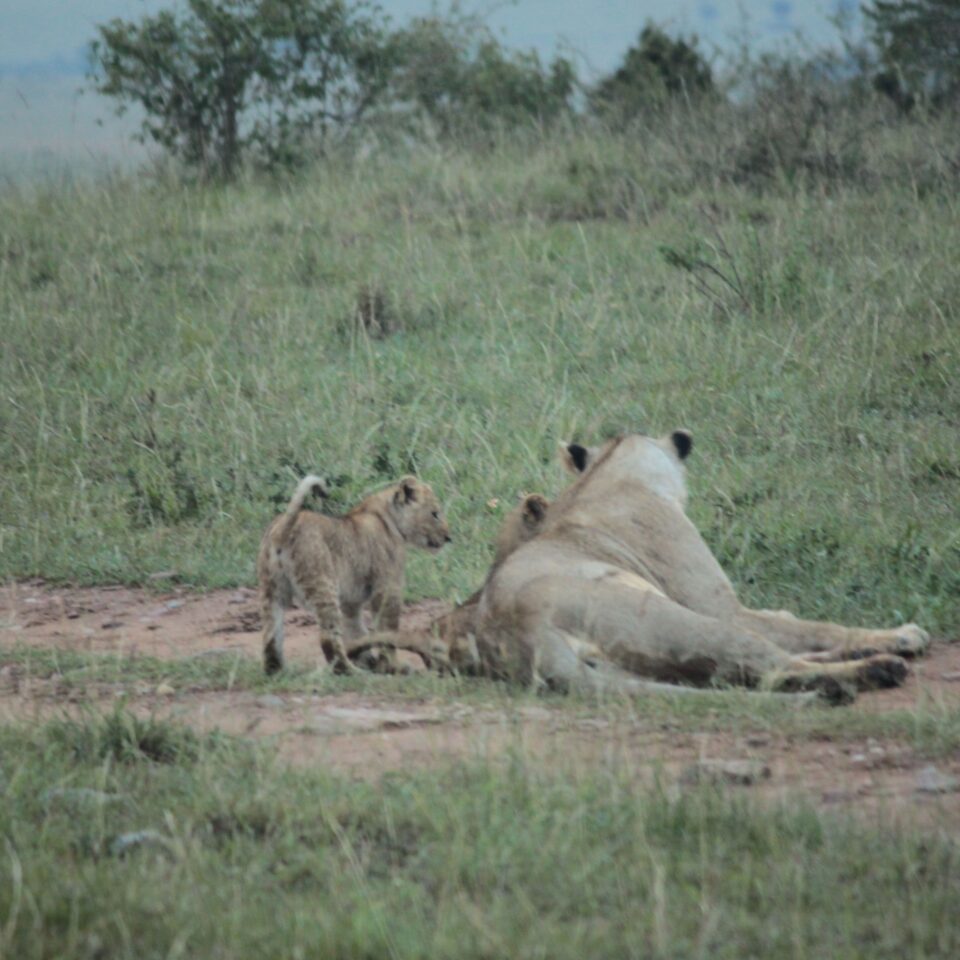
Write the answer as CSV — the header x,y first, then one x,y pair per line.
x,y
225,76
919,46
655,69
456,73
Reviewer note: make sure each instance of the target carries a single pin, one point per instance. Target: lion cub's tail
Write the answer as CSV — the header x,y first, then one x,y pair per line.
x,y
305,487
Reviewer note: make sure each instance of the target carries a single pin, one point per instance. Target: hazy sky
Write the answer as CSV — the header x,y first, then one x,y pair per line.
x,y
42,45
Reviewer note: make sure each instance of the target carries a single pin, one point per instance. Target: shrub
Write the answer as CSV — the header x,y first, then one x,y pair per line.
x,y
919,47
654,71
453,73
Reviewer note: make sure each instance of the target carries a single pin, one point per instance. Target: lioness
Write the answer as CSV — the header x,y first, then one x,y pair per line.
x,y
449,639
334,566
619,586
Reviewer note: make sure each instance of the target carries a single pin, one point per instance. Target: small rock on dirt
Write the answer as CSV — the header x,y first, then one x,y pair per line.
x,y
953,677
165,690
363,719
213,653
536,713
269,700
593,723
126,842
739,772
111,625
838,796
932,780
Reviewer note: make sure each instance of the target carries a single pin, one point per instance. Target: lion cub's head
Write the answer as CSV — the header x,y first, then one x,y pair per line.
x,y
521,524
416,512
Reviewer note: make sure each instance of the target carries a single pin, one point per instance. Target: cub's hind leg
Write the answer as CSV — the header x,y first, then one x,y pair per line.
x,y
275,597
319,595
271,617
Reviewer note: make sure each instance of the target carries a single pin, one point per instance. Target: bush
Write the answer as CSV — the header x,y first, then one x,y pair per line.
x,y
806,118
919,47
654,71
453,73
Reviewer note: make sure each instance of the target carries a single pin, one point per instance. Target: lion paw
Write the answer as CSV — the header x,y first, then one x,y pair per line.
x,y
883,670
910,641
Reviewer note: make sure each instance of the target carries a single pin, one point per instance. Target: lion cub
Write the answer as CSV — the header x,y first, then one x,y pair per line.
x,y
448,643
334,566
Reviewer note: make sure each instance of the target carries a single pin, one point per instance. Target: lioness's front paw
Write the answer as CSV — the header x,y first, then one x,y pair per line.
x,y
910,641
882,670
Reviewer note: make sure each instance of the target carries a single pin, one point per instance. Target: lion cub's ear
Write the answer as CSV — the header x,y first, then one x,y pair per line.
x,y
682,442
406,491
534,508
574,457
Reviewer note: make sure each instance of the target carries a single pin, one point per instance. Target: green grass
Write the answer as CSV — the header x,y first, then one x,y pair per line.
x,y
251,859
175,358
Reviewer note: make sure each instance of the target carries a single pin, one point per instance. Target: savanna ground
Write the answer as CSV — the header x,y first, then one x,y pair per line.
x,y
176,357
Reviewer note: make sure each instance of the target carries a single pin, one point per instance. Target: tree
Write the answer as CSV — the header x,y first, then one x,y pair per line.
x,y
453,71
919,46
655,70
231,76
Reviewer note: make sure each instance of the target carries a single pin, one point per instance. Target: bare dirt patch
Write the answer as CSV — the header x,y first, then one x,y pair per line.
x,y
369,735
168,624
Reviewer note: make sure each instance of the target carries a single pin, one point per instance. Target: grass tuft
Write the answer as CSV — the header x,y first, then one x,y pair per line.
x,y
124,737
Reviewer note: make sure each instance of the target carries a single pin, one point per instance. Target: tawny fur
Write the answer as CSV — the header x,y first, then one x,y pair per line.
x,y
336,566
618,591
449,642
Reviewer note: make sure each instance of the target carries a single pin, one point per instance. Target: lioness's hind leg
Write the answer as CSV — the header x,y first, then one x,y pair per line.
x,y
651,635
871,673
558,665
830,641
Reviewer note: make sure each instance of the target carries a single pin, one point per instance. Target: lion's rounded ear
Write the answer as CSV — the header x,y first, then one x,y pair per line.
x,y
406,491
574,456
682,442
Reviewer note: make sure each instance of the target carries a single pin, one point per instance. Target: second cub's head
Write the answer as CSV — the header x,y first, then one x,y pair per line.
x,y
418,516
521,524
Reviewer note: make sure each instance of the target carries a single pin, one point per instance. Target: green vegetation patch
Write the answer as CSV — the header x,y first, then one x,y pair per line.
x,y
226,854
176,358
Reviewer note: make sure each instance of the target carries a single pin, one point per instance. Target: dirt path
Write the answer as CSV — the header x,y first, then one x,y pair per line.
x,y
168,625
367,735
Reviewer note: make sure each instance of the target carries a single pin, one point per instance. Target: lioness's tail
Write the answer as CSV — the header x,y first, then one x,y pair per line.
x,y
307,485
